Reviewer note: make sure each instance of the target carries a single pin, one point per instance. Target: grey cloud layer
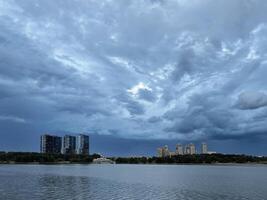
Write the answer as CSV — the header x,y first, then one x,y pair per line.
x,y
138,69
251,100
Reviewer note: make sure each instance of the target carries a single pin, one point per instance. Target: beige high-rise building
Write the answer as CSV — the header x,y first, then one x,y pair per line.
x,y
163,151
160,152
166,151
204,148
187,150
179,149
192,148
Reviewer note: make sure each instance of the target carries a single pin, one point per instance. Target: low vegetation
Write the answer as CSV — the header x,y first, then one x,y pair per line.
x,y
21,157
193,159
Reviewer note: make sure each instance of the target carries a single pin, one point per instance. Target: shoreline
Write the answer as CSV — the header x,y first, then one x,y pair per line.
x,y
67,159
171,164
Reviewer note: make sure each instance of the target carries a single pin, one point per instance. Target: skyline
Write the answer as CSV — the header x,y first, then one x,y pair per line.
x,y
68,144
135,75
111,147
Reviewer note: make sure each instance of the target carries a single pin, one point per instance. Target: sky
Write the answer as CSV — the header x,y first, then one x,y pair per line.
x,y
135,74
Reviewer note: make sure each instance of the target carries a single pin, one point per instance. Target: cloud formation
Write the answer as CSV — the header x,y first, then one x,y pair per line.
x,y
137,69
251,100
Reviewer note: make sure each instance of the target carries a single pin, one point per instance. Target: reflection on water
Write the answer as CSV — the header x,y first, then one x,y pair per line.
x,y
18,182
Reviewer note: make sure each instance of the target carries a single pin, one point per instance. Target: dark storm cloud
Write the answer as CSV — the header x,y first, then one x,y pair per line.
x,y
154,119
132,106
251,100
146,69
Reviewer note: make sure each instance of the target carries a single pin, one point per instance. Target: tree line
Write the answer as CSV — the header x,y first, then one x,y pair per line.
x,y
25,157
192,159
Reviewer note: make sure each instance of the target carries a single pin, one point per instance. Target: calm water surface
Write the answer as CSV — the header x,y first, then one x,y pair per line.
x,y
19,182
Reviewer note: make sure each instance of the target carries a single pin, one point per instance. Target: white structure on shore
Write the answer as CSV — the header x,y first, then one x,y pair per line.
x,y
103,161
211,152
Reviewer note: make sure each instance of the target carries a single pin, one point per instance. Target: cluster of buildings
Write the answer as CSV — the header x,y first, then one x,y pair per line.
x,y
68,144
189,149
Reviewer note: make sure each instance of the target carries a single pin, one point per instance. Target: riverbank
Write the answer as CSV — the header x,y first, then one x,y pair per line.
x,y
194,159
151,164
198,159
40,158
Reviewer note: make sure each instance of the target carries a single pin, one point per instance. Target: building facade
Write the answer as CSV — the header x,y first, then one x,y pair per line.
x,y
204,148
50,144
189,149
163,151
179,149
192,149
69,144
82,144
160,152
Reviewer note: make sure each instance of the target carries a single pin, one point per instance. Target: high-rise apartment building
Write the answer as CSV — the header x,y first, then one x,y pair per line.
x,y
160,152
192,148
69,144
204,148
187,150
164,151
179,149
82,144
50,144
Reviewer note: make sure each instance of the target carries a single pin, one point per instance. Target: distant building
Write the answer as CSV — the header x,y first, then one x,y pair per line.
x,y
163,151
192,149
69,144
82,144
166,151
50,144
187,150
179,149
160,152
204,148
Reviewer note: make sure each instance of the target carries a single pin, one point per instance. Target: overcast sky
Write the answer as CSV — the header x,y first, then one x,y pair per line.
x,y
134,74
